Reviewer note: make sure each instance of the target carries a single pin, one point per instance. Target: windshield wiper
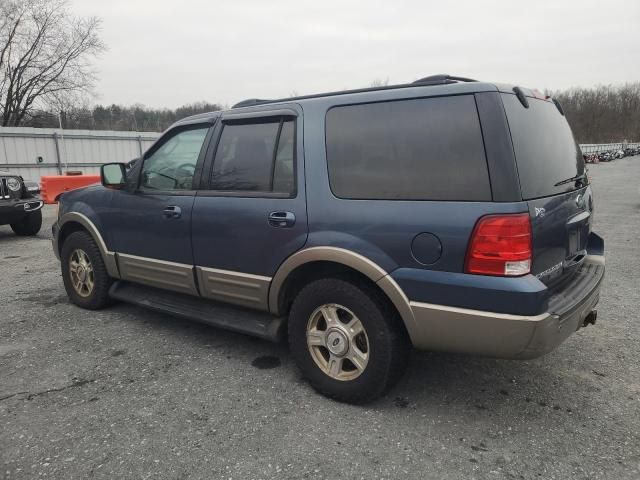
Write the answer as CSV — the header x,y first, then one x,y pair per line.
x,y
577,178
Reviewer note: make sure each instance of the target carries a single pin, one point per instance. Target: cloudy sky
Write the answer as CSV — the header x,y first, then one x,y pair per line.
x,y
168,53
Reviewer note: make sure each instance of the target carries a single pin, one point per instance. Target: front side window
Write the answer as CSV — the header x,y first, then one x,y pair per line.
x,y
173,164
255,157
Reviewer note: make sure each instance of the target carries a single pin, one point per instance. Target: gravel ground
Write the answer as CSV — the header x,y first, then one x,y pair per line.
x,y
127,393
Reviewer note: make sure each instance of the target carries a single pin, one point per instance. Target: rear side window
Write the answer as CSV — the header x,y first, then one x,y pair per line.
x,y
255,157
546,153
423,149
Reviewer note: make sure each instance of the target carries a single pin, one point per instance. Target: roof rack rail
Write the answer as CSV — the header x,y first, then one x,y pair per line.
x,y
251,101
443,78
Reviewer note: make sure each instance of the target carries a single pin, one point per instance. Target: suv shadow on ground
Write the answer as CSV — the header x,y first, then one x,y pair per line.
x,y
433,380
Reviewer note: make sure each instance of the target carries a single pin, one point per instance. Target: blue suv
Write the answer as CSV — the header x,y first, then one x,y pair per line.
x,y
445,214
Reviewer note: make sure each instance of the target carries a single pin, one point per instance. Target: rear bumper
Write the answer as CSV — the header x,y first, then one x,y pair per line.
x,y
501,335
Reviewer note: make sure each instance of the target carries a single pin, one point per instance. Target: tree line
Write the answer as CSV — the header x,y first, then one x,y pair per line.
x,y
603,114
117,117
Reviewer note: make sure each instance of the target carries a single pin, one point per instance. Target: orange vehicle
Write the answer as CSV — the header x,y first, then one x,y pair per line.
x,y
52,186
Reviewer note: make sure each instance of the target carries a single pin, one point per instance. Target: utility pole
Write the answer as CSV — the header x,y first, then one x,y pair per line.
x,y
62,138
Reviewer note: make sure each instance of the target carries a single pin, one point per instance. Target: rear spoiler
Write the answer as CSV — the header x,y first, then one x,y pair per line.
x,y
524,94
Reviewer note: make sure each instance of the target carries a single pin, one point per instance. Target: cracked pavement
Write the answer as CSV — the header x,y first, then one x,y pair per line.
x,y
128,393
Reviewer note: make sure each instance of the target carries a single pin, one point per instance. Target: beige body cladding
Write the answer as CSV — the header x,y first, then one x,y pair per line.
x,y
430,326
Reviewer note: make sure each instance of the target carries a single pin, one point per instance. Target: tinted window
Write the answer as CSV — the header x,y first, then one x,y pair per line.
x,y
546,152
172,165
283,171
247,158
424,149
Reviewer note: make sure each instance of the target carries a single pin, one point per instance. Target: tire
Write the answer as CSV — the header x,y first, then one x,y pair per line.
x,y
76,245
29,226
385,340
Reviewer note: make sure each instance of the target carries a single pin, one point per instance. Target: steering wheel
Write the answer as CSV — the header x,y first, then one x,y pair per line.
x,y
188,168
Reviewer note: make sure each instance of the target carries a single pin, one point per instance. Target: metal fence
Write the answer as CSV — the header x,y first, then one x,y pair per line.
x,y
596,148
34,152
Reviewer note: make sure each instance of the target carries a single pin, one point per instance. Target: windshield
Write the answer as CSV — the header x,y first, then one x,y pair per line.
x,y
548,158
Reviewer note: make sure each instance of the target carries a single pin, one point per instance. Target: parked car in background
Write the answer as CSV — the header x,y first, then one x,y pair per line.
x,y
432,215
20,205
606,156
609,152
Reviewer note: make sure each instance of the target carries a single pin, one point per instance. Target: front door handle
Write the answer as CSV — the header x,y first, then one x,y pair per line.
x,y
282,219
172,211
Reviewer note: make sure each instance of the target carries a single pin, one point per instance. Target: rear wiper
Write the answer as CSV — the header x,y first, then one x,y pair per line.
x,y
577,178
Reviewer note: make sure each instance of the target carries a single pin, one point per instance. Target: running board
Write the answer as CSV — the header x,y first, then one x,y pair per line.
x,y
237,319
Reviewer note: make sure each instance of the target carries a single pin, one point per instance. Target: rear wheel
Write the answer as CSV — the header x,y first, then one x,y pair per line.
x,y
84,273
30,225
347,339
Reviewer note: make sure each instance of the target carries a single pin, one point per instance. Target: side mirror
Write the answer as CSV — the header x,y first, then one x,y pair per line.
x,y
113,175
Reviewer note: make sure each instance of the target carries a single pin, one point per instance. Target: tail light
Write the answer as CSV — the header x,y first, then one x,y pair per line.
x,y
500,245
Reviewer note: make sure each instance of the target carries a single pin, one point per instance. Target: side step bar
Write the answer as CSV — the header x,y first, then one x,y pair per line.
x,y
237,319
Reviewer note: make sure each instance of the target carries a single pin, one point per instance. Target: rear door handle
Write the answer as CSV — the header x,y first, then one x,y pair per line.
x,y
282,219
172,211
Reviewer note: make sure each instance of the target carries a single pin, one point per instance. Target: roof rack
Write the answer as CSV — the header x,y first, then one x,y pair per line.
x,y
441,79
250,102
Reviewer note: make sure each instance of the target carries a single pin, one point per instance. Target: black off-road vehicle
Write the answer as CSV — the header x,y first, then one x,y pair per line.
x,y
19,204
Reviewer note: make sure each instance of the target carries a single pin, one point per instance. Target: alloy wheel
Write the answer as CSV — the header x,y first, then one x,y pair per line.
x,y
81,273
338,342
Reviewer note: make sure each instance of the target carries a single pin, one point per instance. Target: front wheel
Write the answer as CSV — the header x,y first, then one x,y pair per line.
x,y
30,225
347,339
84,273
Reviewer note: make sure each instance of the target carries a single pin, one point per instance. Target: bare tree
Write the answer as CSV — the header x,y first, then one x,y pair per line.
x,y
603,114
45,55
379,82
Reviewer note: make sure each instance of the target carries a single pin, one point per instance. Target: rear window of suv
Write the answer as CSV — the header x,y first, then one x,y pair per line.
x,y
546,153
419,149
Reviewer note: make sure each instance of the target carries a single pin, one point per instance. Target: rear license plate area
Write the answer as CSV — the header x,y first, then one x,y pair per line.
x,y
575,243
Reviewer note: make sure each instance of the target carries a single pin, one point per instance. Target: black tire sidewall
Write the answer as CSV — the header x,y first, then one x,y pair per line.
x,y
99,298
30,225
377,320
